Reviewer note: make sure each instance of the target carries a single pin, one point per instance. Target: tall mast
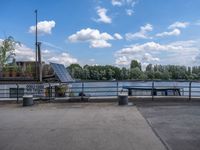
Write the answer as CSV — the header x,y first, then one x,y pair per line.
x,y
36,47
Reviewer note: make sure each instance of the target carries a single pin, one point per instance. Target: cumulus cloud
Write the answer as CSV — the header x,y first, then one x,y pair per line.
x,y
179,25
174,32
122,60
175,29
128,5
142,34
118,36
93,37
24,53
99,44
179,53
149,58
129,12
117,2
64,58
103,17
44,27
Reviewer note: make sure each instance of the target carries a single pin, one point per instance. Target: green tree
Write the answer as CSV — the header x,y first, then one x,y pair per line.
x,y
76,71
135,73
135,64
157,75
149,67
124,73
7,51
165,75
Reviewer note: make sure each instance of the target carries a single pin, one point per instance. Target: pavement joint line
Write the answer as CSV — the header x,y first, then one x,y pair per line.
x,y
155,132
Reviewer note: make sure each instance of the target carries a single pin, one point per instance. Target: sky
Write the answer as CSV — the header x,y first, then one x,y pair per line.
x,y
105,32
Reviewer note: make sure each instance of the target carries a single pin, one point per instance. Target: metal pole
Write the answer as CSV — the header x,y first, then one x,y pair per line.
x,y
36,42
82,91
152,91
117,88
49,92
190,84
17,93
39,61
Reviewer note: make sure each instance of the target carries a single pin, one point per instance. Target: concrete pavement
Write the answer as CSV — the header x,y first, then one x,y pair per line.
x,y
66,126
177,124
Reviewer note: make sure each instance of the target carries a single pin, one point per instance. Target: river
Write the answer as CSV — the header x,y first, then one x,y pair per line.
x,y
110,88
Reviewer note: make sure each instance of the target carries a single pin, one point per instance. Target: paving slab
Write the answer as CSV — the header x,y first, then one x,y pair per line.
x,y
176,124
65,126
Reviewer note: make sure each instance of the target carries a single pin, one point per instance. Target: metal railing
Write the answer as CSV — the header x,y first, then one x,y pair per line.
x,y
48,91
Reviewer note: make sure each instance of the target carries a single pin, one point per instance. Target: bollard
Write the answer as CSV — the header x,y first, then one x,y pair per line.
x,y
123,99
27,100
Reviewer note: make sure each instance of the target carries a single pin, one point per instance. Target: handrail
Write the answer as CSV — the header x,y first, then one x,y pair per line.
x,y
99,88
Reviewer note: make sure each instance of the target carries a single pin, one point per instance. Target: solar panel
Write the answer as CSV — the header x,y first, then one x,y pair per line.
x,y
61,72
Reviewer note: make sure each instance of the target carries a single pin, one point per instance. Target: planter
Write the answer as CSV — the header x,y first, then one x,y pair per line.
x,y
60,91
13,74
6,74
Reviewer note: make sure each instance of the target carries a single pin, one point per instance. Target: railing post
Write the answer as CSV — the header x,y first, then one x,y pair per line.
x,y
82,91
17,93
117,88
49,92
190,90
152,91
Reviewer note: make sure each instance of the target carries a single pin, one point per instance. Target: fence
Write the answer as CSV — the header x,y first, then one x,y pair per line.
x,y
48,91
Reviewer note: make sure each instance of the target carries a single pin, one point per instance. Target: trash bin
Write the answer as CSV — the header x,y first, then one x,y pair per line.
x,y
27,100
123,99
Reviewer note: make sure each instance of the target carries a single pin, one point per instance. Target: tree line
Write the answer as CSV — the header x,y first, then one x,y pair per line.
x,y
108,72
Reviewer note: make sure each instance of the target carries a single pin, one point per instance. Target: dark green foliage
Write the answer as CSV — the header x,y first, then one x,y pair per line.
x,y
135,64
108,72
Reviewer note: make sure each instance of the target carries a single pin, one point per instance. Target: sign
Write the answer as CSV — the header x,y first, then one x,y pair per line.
x,y
36,90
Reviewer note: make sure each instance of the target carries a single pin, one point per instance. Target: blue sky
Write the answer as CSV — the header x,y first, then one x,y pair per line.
x,y
106,31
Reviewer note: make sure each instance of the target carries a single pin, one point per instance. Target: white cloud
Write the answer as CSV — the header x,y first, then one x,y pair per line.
x,y
44,27
142,34
99,44
103,17
175,29
128,5
178,53
123,60
117,2
149,58
179,25
92,36
174,32
46,51
118,36
129,12
150,47
63,58
24,53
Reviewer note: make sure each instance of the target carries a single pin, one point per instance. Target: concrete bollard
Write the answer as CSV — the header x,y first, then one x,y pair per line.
x,y
123,99
27,100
